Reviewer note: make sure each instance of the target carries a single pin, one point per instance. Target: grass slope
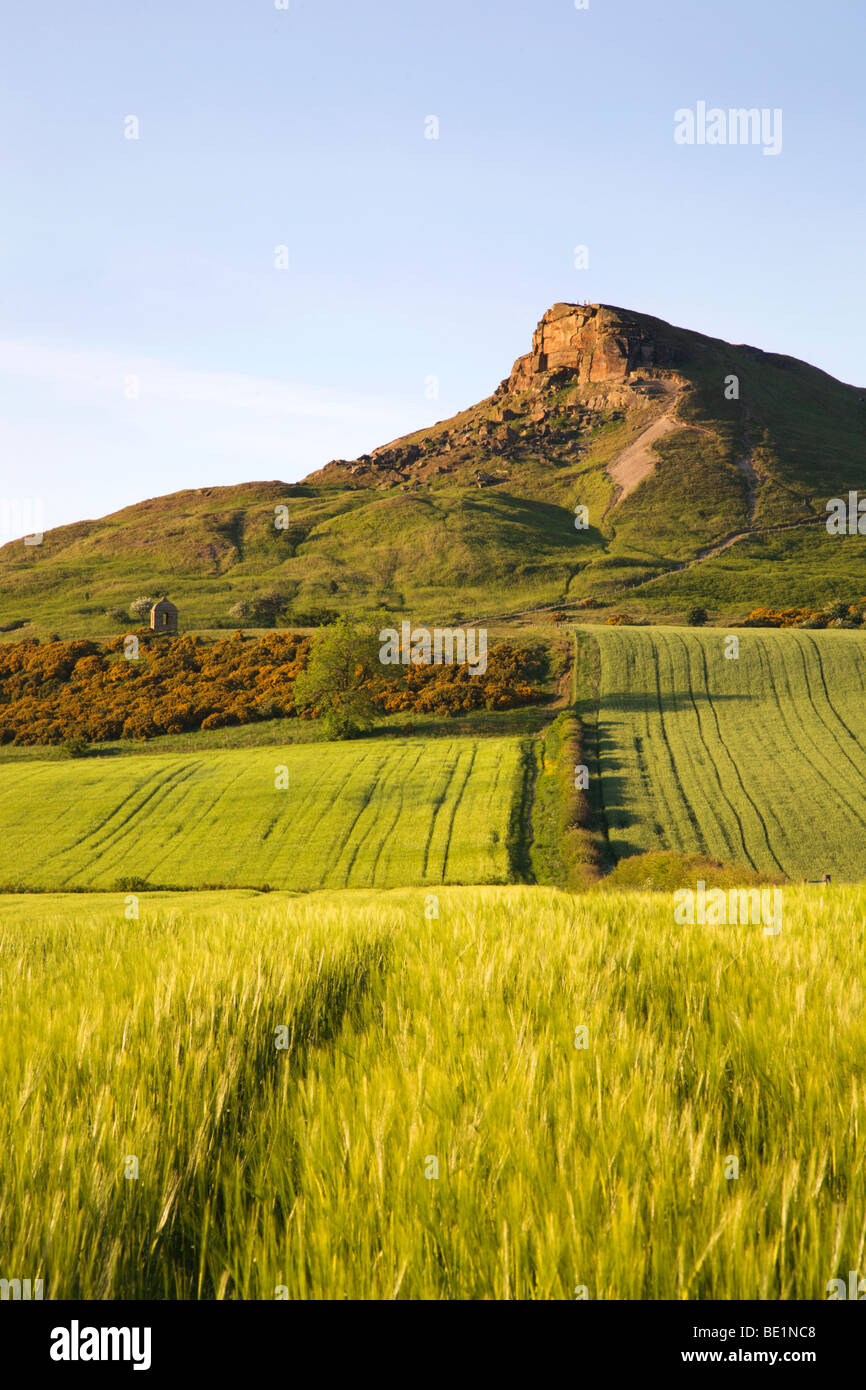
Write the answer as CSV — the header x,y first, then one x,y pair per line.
x,y
354,814
307,1172
759,761
420,535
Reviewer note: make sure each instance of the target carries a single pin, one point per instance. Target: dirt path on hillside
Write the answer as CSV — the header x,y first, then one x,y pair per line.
x,y
634,464
638,460
753,481
707,553
716,548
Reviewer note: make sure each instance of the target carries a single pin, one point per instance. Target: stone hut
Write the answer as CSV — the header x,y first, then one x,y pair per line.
x,y
163,616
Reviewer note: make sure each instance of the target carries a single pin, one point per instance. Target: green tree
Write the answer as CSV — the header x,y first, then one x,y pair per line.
x,y
265,609
697,616
76,746
343,659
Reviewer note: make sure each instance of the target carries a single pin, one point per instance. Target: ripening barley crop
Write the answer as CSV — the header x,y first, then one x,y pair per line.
x,y
524,1096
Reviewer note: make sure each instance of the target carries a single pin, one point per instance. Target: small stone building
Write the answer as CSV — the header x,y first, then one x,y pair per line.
x,y
163,616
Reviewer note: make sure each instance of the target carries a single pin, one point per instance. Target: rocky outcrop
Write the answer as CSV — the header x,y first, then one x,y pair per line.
x,y
594,343
615,361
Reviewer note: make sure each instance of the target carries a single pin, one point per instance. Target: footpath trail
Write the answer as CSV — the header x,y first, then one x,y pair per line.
x,y
638,459
708,552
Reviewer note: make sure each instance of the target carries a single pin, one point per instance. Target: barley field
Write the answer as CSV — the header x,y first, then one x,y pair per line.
x,y
357,814
758,760
428,1126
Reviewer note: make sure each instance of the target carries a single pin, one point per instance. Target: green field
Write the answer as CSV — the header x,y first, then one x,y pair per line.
x,y
376,1091
354,814
760,760
306,1171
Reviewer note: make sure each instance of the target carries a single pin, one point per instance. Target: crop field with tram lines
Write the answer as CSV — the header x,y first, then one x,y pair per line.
x,y
759,760
470,1088
355,814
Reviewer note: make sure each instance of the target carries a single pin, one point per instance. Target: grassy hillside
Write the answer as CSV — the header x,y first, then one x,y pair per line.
x,y
430,1128
474,515
760,760
354,814
799,568
448,554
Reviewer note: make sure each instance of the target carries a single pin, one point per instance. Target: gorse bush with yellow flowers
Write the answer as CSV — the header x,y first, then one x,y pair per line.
x,y
54,691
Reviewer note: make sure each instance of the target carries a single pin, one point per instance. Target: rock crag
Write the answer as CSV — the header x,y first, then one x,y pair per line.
x,y
594,343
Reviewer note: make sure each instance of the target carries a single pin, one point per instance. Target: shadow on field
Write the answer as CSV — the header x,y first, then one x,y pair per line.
x,y
616,811
667,702
616,791
524,719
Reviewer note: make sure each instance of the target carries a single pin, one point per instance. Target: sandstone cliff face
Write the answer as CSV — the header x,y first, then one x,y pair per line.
x,y
594,341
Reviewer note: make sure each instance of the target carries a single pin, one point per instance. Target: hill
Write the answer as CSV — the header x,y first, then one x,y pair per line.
x,y
692,488
758,760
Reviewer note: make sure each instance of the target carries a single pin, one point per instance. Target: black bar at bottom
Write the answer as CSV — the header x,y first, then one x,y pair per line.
x,y
83,1340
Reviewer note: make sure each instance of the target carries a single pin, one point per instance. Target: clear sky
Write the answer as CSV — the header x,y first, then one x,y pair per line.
x,y
148,265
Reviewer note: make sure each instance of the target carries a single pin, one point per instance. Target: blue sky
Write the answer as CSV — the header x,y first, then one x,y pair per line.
x,y
148,266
